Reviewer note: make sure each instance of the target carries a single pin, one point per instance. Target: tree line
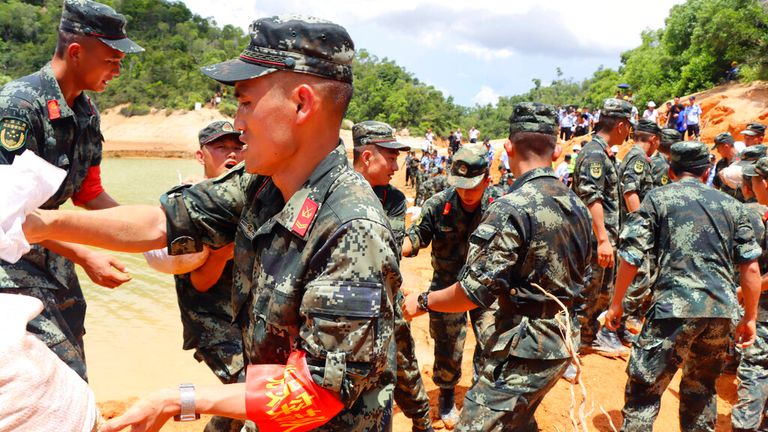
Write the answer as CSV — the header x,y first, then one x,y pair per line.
x,y
693,51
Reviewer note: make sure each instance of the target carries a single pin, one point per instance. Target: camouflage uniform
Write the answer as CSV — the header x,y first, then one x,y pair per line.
x,y
492,193
35,116
595,178
697,235
433,186
636,175
539,233
724,138
748,413
660,169
296,277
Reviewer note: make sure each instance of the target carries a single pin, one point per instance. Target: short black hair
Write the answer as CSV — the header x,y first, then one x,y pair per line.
x,y
533,143
608,124
644,136
696,172
63,42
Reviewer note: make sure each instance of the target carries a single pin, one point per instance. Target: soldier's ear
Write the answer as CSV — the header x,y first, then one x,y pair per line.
x,y
306,100
558,151
75,52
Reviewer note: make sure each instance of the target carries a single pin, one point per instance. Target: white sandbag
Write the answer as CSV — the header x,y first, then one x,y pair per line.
x,y
27,184
731,176
38,391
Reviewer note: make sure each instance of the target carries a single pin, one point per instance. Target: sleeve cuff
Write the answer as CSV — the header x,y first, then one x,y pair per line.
x,y
632,256
476,291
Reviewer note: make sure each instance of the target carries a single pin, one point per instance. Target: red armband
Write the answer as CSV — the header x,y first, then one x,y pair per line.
x,y
285,398
91,187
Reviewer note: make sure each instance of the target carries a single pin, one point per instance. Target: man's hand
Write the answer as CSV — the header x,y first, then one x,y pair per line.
x,y
146,415
745,333
605,254
105,270
411,306
613,317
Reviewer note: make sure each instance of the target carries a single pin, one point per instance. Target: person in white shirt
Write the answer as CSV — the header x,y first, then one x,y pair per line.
x,y
692,118
651,113
473,134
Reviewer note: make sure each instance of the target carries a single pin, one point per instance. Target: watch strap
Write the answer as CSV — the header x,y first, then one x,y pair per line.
x,y
187,403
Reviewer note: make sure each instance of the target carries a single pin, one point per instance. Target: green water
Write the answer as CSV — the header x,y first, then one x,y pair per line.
x,y
133,340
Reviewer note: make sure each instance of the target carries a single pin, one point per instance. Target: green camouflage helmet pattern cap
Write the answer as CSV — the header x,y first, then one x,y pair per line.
x,y
216,130
686,155
378,133
533,117
617,108
761,167
469,167
749,156
291,43
669,137
89,18
647,126
723,138
754,129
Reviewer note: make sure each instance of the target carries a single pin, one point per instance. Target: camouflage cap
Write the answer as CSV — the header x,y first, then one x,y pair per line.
x,y
469,167
533,117
647,126
761,167
669,137
617,108
754,129
688,155
216,130
378,133
89,18
723,138
292,43
753,153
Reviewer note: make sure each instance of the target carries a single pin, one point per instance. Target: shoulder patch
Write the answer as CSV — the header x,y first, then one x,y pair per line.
x,y
596,169
13,133
664,179
639,166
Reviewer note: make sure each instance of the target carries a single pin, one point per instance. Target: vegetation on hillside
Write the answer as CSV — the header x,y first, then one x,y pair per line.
x,y
692,52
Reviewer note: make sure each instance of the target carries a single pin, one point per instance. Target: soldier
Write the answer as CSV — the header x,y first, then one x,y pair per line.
x,y
375,157
700,235
316,263
724,145
596,182
446,221
205,294
753,134
636,177
435,184
660,160
49,113
540,233
749,412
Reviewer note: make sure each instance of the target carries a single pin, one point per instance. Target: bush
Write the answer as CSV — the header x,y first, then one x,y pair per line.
x,y
134,110
228,108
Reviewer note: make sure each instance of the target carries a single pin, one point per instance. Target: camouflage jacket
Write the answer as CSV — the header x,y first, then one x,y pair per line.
x,y
595,178
539,233
758,216
635,175
34,115
660,167
393,202
316,273
697,235
432,186
492,193
444,223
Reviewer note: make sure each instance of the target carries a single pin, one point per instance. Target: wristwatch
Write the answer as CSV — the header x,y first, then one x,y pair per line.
x,y
422,301
187,402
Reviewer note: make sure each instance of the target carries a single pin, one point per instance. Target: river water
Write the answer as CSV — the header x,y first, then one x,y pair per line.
x,y
133,340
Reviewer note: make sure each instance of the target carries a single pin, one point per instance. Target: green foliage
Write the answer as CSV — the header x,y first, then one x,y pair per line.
x,y
135,110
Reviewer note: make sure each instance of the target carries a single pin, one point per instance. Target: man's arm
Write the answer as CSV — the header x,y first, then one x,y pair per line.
x,y
632,200
101,268
626,274
206,276
750,291
102,201
604,247
419,234
136,228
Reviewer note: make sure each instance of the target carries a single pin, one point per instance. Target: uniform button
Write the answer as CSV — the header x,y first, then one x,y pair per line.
x,y
513,291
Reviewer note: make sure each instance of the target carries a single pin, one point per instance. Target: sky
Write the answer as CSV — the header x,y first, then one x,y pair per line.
x,y
476,50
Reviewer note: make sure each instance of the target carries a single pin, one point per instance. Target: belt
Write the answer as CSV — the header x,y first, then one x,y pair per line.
x,y
540,310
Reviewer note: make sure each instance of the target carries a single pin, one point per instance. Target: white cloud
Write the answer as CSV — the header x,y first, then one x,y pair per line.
x,y
484,53
486,96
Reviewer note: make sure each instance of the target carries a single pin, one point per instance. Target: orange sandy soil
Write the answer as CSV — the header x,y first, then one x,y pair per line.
x,y
725,108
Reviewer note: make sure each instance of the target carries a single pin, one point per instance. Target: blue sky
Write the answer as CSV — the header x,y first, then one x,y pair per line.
x,y
474,51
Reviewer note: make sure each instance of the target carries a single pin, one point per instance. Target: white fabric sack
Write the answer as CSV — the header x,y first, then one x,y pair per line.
x,y
38,391
27,184
159,260
731,176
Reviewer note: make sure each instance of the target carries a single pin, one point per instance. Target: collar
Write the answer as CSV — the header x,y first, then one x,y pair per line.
x,y
691,180
531,175
300,211
52,91
600,141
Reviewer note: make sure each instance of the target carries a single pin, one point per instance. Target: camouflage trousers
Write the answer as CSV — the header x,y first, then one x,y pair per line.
x,y
449,330
509,403
61,324
697,345
638,296
226,362
593,300
750,410
409,392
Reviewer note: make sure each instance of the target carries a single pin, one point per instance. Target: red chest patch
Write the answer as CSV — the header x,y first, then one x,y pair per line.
x,y
54,111
447,208
305,217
